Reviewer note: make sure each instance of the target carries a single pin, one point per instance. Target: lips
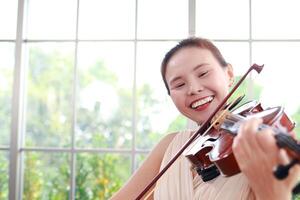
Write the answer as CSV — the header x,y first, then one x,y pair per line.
x,y
202,103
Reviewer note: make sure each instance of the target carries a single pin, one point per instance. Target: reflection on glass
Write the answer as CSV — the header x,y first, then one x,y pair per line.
x,y
275,19
156,114
100,176
8,19
4,164
280,76
51,19
166,19
113,19
105,79
49,94
6,84
222,19
46,176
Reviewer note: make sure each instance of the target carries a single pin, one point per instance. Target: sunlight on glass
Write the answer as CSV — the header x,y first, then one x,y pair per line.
x,y
49,94
113,19
276,19
51,19
4,164
222,19
166,19
237,54
6,86
280,74
105,77
99,176
46,175
156,113
8,19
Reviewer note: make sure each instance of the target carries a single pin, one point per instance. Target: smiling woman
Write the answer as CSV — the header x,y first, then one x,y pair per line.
x,y
198,78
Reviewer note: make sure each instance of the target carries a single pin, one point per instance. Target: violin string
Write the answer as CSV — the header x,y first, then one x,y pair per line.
x,y
223,112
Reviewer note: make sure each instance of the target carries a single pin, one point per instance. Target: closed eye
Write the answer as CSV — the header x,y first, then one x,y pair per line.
x,y
179,85
202,74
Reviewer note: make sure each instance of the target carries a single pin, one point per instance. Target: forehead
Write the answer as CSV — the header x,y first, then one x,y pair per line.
x,y
187,59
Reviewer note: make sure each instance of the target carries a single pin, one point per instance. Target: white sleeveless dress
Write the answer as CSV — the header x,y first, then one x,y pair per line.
x,y
178,182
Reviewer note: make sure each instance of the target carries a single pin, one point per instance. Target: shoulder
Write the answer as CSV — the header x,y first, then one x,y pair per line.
x,y
159,150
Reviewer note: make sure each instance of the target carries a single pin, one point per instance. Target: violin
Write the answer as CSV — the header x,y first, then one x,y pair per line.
x,y
209,149
211,153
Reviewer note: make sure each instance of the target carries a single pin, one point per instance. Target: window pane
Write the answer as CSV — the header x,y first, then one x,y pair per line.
x,y
6,84
100,176
280,76
280,22
49,94
46,176
237,54
113,19
104,111
139,160
8,19
51,19
156,114
166,19
222,19
4,164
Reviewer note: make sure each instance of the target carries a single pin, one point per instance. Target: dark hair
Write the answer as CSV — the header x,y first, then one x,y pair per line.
x,y
191,42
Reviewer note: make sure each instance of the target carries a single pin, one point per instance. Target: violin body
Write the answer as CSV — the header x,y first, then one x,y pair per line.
x,y
214,148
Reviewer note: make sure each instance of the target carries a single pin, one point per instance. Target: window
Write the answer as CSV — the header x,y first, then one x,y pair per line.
x,y
82,100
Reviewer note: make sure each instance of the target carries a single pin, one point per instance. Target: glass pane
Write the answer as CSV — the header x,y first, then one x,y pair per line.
x,y
166,19
51,19
8,19
156,114
46,176
280,22
280,77
222,19
49,94
6,84
4,164
113,19
237,54
100,176
139,160
104,111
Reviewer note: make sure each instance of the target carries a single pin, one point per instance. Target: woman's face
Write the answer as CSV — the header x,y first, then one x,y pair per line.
x,y
197,82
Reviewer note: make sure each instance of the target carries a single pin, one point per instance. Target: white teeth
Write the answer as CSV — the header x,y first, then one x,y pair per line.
x,y
201,102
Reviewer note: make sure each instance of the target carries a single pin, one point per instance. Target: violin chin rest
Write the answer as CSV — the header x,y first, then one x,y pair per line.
x,y
209,173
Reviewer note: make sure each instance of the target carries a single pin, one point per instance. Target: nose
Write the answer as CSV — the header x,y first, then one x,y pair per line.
x,y
194,89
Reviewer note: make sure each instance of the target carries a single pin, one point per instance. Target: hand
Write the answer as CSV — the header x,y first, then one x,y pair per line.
x,y
257,154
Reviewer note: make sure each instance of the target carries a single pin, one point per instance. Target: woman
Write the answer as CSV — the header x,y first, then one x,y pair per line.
x,y
197,78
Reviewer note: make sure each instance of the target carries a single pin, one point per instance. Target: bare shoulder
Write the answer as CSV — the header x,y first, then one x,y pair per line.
x,y
147,171
164,143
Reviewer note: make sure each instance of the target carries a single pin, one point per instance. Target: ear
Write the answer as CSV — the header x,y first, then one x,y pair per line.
x,y
230,74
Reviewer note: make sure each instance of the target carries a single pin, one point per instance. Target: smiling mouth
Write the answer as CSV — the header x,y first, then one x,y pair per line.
x,y
201,102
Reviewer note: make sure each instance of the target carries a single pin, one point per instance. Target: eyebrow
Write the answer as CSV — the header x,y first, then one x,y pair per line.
x,y
194,69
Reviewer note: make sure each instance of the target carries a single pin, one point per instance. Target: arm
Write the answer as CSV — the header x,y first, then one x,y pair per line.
x,y
142,177
257,154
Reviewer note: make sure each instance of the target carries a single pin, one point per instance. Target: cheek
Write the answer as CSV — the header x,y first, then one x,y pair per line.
x,y
179,102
